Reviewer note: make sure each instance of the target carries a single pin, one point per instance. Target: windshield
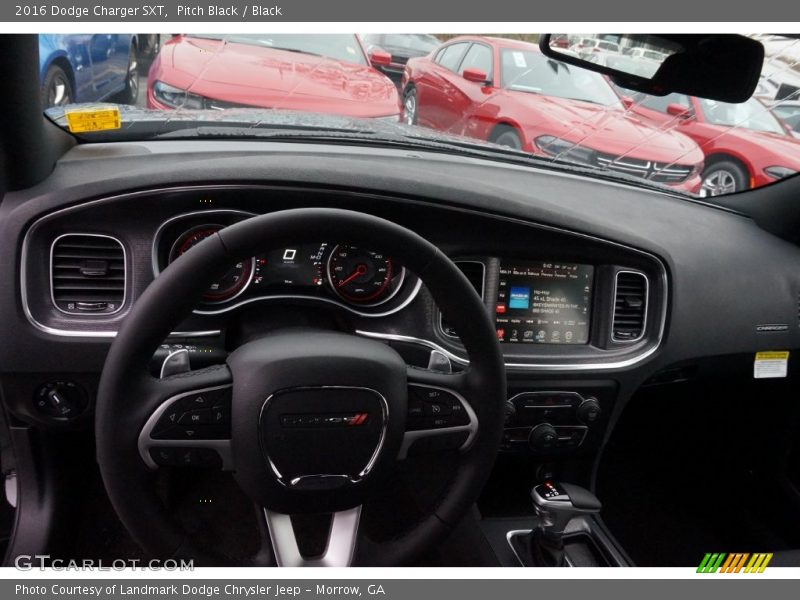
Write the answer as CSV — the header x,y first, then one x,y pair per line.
x,y
748,115
493,96
523,71
343,47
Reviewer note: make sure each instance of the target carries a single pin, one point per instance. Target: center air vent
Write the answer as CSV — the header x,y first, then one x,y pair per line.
x,y
87,274
475,272
630,306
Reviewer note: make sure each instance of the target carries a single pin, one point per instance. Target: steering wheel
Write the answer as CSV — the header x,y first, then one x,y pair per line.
x,y
307,422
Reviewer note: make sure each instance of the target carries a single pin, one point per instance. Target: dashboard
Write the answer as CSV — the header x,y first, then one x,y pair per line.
x,y
594,288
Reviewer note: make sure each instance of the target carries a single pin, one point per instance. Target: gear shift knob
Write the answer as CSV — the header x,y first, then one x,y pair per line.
x,y
557,503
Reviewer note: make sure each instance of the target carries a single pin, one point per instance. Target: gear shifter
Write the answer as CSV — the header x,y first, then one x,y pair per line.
x,y
556,504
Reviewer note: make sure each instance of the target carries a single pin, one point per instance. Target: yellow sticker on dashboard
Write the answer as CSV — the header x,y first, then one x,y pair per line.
x,y
100,119
769,365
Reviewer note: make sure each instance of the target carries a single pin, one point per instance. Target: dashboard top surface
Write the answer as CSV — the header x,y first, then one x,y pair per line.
x,y
706,254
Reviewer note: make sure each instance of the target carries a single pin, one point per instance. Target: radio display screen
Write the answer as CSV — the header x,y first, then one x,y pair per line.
x,y
544,303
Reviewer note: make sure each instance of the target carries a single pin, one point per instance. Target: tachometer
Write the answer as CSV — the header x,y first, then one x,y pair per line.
x,y
361,276
230,285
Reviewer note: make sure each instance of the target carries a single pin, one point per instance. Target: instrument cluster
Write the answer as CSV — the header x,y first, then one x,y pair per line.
x,y
338,272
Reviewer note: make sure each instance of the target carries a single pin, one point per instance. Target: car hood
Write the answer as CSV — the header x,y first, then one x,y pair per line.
x,y
786,148
606,129
266,77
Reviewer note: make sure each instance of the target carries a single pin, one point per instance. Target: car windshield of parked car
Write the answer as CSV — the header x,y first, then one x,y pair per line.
x,y
523,71
424,43
344,47
747,115
477,95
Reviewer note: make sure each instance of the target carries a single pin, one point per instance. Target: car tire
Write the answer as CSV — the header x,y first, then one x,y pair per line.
x,y
504,135
130,94
56,88
723,177
410,106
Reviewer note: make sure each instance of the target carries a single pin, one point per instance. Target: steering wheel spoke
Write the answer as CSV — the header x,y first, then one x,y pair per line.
x,y
339,546
191,427
439,415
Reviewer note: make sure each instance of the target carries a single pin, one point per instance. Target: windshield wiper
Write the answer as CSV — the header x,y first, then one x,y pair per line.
x,y
295,50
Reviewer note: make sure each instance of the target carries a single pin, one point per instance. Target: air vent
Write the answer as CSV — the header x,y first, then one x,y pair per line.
x,y
87,274
475,271
630,306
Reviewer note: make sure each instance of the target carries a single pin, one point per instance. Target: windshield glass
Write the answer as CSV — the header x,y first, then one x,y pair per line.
x,y
494,96
748,115
532,72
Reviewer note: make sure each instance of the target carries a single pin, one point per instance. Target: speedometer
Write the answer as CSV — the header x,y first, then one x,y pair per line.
x,y
232,283
361,276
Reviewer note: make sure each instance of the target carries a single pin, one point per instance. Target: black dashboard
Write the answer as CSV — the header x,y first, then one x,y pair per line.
x,y
593,286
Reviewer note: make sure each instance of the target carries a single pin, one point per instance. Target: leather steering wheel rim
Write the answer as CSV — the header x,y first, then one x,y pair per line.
x,y
128,395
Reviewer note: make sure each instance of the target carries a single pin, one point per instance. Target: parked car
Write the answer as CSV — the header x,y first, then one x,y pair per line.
x,y
745,145
587,45
329,73
646,53
148,46
401,46
643,67
89,67
507,92
789,112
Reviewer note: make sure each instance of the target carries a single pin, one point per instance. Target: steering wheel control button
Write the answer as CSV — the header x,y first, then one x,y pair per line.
x,y
176,456
196,415
201,416
434,408
60,400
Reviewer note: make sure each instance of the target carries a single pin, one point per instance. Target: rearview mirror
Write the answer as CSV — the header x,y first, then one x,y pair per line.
x,y
475,75
380,58
722,67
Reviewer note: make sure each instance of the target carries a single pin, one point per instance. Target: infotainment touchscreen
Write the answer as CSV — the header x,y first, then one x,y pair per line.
x,y
544,303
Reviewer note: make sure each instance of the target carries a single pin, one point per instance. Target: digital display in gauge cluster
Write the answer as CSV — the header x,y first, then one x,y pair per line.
x,y
301,265
544,303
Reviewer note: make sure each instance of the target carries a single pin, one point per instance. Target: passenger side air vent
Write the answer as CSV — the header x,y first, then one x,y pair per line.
x,y
630,306
87,274
474,271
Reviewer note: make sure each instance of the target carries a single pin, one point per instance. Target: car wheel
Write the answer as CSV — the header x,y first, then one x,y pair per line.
x,y
131,92
507,136
56,89
410,106
723,177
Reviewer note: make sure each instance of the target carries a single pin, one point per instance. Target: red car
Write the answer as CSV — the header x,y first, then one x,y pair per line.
x,y
745,145
507,92
329,74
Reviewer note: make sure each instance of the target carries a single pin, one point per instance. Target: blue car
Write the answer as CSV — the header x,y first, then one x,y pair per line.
x,y
90,67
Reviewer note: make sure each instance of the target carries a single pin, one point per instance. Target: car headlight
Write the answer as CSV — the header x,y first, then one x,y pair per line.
x,y
779,172
176,97
565,150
